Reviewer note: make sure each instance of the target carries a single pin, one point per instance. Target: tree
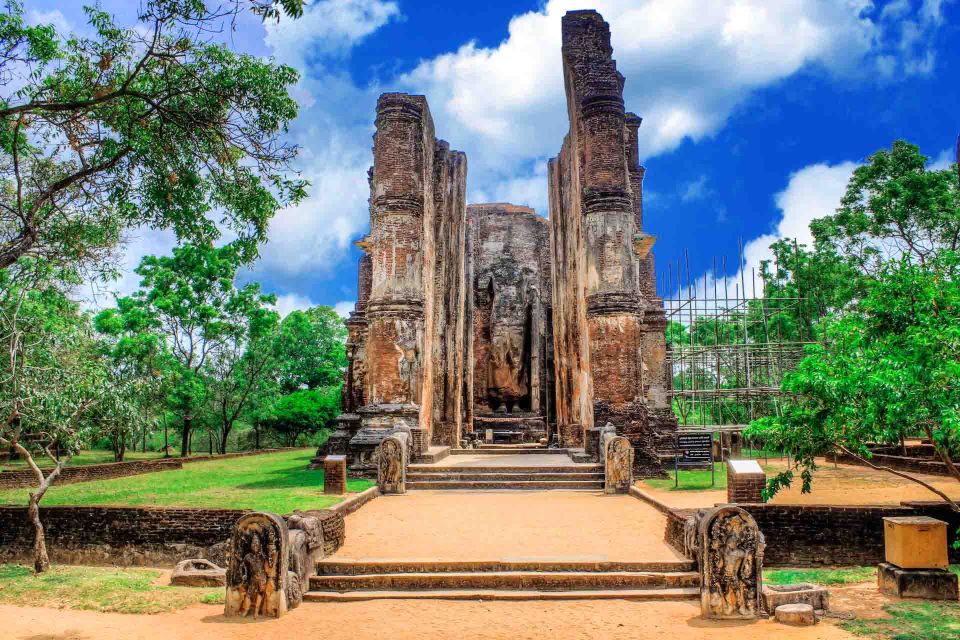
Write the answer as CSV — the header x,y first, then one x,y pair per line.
x,y
153,126
50,379
311,349
303,412
241,369
889,367
191,301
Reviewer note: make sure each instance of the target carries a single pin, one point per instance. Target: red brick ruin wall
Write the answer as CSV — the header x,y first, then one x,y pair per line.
x,y
509,263
414,315
603,284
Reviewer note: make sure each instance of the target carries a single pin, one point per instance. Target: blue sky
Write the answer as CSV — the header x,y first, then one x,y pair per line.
x,y
755,112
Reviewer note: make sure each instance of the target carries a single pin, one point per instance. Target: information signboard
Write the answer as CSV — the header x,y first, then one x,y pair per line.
x,y
694,449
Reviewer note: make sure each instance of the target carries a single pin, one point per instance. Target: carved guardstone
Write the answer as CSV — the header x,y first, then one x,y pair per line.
x,y
617,463
257,577
731,560
392,464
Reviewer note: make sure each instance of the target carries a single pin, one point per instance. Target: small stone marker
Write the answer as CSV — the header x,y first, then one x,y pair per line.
x,y
775,595
916,542
335,474
745,481
800,615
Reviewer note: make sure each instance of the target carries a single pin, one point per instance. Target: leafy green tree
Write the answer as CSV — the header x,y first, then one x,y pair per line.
x,y
240,371
889,365
150,125
303,412
51,379
311,349
191,301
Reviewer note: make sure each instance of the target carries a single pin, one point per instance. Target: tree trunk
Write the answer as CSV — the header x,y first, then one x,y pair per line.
x,y
223,439
166,439
210,441
41,561
256,436
185,444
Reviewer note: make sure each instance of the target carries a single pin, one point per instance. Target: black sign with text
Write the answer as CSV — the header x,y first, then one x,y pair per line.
x,y
695,449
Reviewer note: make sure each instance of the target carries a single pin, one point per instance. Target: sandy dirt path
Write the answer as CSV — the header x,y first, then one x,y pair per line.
x,y
840,485
410,620
518,525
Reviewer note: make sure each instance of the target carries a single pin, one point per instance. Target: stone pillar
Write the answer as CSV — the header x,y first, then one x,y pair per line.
x,y
399,368
335,474
745,482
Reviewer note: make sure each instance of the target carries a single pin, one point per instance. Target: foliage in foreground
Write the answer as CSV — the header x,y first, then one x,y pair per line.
x,y
106,589
885,275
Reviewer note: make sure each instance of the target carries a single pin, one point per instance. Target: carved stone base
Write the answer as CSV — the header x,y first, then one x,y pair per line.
x,y
377,422
928,584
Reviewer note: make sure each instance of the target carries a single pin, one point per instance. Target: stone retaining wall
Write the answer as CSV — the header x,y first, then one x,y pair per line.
x,y
130,536
814,535
900,463
21,478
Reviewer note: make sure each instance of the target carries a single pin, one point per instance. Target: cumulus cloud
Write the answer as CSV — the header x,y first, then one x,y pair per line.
x,y
344,308
292,302
812,192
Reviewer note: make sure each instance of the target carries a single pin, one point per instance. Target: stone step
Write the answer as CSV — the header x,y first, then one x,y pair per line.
x,y
484,451
516,580
512,595
522,485
501,477
580,468
354,567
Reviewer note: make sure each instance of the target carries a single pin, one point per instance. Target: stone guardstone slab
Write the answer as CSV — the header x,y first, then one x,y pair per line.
x,y
799,593
730,555
198,572
259,562
800,615
928,584
392,464
617,464
335,474
745,481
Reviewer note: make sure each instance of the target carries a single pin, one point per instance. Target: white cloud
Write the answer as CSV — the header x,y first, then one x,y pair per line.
x,y
812,192
328,28
54,17
292,302
944,160
344,308
694,190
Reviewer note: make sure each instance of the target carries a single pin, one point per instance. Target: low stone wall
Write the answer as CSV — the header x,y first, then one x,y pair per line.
x,y
900,463
21,478
131,536
814,535
85,473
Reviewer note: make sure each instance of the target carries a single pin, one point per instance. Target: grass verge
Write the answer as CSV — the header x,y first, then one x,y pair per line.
x,y
911,621
278,482
842,576
105,589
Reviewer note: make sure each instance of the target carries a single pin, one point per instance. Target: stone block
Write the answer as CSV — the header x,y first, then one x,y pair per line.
x,y
928,584
800,615
335,474
915,542
799,593
198,572
745,481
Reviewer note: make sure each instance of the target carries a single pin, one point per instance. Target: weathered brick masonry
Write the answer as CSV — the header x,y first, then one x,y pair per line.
x,y
130,536
803,536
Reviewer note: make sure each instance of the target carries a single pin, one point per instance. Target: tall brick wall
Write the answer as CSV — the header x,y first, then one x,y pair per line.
x,y
609,343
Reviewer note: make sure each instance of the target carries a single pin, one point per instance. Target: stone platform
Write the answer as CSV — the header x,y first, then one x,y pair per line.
x,y
505,546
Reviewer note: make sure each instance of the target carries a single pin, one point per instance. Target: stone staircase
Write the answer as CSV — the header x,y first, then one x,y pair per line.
x,y
347,580
583,477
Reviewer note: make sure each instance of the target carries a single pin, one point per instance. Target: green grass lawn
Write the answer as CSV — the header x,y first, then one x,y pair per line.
x,y
698,479
911,621
278,482
98,589
92,456
841,576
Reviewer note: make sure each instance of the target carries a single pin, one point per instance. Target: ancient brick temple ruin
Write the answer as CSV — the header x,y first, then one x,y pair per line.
x,y
488,321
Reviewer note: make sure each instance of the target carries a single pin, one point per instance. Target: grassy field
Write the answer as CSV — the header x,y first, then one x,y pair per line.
x,y
98,589
278,482
699,479
846,575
